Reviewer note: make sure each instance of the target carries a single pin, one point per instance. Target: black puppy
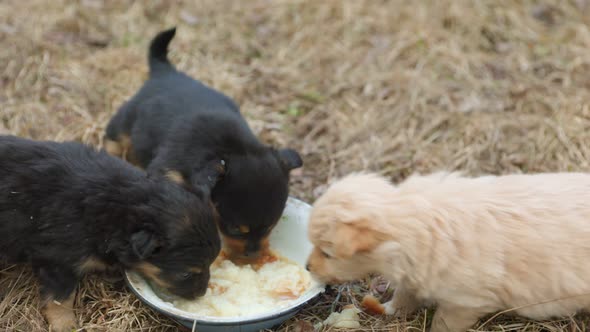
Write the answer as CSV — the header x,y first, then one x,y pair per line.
x,y
68,209
179,127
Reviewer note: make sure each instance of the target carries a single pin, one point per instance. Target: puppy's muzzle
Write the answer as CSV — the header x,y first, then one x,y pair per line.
x,y
189,294
169,293
252,249
244,248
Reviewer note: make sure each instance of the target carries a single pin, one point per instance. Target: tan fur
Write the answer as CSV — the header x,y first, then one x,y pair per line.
x,y
92,264
196,269
473,245
236,248
152,272
121,148
60,315
264,246
175,176
113,148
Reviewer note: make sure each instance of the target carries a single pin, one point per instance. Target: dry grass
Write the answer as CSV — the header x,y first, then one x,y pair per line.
x,y
394,86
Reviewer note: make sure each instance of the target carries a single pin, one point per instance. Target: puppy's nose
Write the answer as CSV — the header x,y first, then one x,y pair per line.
x,y
252,248
307,267
251,254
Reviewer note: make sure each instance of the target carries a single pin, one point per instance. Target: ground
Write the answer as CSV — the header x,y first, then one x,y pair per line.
x,y
390,86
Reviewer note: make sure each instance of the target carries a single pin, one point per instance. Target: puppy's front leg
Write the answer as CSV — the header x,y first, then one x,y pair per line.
x,y
450,318
58,286
60,314
403,303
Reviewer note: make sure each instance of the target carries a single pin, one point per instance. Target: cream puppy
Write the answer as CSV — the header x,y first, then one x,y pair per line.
x,y
474,246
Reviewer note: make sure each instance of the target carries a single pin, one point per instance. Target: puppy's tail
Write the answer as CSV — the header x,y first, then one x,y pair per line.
x,y
158,53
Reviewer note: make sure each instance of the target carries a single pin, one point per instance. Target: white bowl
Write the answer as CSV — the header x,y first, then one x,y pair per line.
x,y
288,239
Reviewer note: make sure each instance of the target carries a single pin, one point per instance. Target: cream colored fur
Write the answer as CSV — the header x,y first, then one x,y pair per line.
x,y
472,245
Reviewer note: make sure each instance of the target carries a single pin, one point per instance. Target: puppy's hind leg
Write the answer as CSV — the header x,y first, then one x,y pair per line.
x,y
450,318
122,148
118,147
58,286
403,303
117,137
113,148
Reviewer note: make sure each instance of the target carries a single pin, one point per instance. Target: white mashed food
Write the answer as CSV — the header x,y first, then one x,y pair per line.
x,y
244,290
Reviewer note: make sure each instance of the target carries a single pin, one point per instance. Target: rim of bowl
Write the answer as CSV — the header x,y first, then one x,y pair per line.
x,y
312,293
226,321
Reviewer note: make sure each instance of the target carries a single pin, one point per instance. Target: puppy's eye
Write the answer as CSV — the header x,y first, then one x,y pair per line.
x,y
185,275
234,230
326,255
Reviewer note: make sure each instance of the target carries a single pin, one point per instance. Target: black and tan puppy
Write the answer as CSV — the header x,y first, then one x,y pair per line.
x,y
179,127
67,209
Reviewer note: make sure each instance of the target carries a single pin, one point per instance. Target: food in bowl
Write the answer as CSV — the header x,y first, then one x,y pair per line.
x,y
270,283
288,239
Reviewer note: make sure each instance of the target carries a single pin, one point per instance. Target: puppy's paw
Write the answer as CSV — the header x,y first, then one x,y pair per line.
x,y
60,317
372,305
396,309
402,304
65,323
391,309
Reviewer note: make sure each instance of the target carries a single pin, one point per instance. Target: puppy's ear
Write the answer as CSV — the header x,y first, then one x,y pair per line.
x,y
144,243
290,159
206,177
350,240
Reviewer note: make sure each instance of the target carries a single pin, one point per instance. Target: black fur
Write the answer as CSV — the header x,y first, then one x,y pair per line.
x,y
63,203
177,123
